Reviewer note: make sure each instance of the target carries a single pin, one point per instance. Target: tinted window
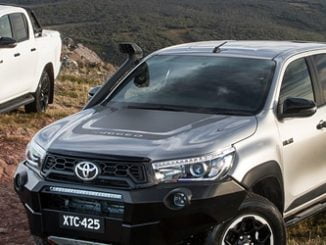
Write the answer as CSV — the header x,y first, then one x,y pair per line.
x,y
297,82
5,28
19,25
321,67
35,24
206,83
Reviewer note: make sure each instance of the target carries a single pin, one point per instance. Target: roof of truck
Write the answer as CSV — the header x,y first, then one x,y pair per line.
x,y
6,8
259,49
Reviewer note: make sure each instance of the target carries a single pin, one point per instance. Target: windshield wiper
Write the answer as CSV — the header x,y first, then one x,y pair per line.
x,y
233,112
156,107
187,109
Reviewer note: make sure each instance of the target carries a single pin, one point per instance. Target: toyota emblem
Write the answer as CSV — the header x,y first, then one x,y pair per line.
x,y
86,171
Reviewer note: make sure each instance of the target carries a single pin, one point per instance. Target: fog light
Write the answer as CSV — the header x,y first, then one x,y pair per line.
x,y
178,199
20,181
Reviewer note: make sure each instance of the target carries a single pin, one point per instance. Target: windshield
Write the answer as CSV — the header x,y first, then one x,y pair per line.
x,y
225,85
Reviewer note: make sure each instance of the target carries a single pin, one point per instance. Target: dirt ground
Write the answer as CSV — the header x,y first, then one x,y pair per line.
x,y
13,226
13,220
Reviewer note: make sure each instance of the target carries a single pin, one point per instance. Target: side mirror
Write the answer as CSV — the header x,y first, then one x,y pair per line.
x,y
93,91
297,107
7,42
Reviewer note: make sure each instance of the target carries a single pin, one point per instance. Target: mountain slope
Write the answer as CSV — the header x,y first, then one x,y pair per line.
x,y
154,24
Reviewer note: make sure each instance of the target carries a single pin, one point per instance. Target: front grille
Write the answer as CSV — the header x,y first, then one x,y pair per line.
x,y
82,205
113,172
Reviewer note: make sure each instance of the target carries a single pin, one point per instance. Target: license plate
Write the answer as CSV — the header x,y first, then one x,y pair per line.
x,y
81,222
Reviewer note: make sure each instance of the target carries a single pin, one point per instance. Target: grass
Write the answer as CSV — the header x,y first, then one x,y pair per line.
x,y
71,95
310,232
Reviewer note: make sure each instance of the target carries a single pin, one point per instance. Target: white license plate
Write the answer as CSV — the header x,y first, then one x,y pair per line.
x,y
81,222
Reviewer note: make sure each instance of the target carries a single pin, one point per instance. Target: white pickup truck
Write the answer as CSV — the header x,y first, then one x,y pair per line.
x,y
29,61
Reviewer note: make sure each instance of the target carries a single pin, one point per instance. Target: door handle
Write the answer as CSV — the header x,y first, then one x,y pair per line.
x,y
17,55
321,125
1,61
33,49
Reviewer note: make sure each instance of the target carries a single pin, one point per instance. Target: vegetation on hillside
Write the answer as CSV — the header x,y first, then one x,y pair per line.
x,y
154,24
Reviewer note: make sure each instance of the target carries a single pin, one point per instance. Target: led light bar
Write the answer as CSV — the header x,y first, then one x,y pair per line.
x,y
85,193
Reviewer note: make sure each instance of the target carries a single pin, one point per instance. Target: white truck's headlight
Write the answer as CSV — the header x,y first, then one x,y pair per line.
x,y
208,167
35,154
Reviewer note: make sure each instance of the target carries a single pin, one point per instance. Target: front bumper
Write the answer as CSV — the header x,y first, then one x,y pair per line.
x,y
142,217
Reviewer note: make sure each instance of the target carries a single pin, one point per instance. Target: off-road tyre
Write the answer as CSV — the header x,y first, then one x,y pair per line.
x,y
258,222
41,96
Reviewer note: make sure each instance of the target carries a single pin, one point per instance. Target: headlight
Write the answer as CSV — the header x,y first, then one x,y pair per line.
x,y
209,167
35,154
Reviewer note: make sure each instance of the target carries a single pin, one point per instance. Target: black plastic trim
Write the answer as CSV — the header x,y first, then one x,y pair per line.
x,y
261,172
264,171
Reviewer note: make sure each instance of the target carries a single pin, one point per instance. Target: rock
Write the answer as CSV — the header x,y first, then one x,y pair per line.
x,y
87,56
69,42
69,63
76,56
78,60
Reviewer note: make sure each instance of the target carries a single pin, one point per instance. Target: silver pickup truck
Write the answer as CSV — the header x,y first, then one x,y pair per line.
x,y
219,141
